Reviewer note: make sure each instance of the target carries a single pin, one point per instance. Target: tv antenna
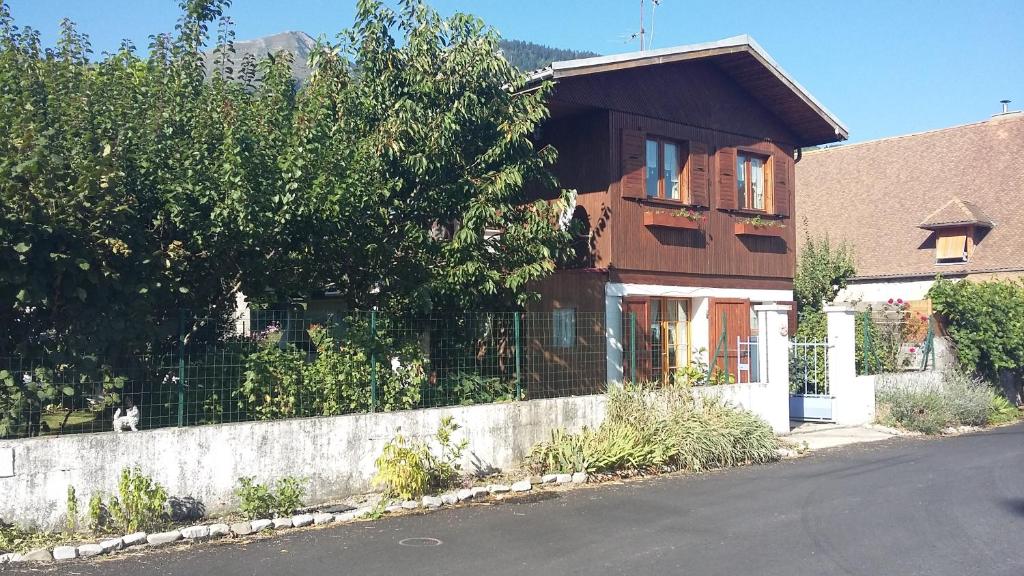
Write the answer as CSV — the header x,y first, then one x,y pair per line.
x,y
641,34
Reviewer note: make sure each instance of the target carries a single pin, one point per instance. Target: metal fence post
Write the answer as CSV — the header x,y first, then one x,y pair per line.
x,y
632,347
181,367
373,361
519,367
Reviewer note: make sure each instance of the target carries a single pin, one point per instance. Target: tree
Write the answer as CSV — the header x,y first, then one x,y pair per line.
x,y
137,187
822,270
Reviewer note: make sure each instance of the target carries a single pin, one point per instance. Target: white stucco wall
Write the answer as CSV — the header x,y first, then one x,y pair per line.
x,y
908,290
336,454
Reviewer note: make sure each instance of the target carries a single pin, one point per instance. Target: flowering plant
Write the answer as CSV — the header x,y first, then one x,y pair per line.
x,y
692,215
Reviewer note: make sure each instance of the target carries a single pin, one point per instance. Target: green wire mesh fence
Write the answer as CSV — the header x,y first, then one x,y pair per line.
x,y
271,365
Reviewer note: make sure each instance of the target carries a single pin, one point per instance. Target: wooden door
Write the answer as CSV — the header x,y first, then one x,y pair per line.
x,y
641,347
727,319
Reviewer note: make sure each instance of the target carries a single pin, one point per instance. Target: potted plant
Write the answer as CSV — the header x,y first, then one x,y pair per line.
x,y
758,226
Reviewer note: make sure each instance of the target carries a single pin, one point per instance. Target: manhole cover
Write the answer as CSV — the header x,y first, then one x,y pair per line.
x,y
419,542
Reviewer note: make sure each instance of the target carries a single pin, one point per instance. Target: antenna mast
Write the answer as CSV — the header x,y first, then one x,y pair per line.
x,y
641,25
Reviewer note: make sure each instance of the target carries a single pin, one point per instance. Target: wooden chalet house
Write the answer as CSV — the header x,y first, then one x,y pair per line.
x,y
683,162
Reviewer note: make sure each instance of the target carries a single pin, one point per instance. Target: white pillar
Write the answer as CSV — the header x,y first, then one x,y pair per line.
x,y
853,401
613,337
700,329
773,353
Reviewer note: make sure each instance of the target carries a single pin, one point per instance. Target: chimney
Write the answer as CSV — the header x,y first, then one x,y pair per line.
x,y
1006,106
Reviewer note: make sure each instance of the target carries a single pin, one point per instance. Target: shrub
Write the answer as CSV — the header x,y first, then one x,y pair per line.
x,y
1002,410
259,501
653,426
408,469
958,400
71,521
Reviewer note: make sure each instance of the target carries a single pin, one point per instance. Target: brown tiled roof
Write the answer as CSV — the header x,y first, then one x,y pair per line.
x,y
956,212
876,196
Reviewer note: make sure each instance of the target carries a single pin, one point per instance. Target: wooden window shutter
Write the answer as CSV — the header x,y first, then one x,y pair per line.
x,y
951,244
632,152
698,174
782,190
727,198
637,306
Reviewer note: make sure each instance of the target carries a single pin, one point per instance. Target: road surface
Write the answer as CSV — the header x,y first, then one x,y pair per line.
x,y
902,507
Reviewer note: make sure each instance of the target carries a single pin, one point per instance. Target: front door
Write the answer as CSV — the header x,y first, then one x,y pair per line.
x,y
728,323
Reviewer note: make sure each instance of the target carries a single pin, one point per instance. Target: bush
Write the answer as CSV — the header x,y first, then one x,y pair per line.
x,y
408,469
259,501
652,426
282,381
986,322
959,400
140,504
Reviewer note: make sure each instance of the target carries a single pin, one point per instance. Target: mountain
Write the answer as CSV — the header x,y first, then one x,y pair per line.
x,y
299,44
528,56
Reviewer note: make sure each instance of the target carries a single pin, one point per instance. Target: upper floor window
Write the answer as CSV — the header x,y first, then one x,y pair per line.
x,y
954,245
663,162
750,181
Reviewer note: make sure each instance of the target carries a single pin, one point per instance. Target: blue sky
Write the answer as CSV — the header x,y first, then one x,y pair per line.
x,y
884,67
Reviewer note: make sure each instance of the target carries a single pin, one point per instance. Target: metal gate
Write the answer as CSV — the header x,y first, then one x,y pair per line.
x,y
809,395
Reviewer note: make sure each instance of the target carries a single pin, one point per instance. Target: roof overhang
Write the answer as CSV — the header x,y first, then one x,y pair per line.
x,y
741,58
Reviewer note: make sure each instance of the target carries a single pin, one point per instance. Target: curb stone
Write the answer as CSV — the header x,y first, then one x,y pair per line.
x,y
432,502
219,530
196,532
522,486
302,520
87,550
549,479
322,518
134,539
498,488
264,524
464,494
410,504
40,555
112,545
280,523
479,491
449,499
579,478
64,553
161,538
5,558
563,478
241,528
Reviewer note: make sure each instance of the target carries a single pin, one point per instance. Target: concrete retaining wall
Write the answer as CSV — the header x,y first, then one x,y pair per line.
x,y
767,401
336,454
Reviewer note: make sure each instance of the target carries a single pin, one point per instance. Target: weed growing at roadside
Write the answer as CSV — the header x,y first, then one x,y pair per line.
x,y
959,400
71,521
408,469
259,501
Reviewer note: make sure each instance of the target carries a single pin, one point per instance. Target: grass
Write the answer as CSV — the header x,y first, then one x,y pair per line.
x,y
660,428
13,539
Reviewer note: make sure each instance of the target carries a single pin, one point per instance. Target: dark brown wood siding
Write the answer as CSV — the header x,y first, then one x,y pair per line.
x,y
552,370
584,165
715,251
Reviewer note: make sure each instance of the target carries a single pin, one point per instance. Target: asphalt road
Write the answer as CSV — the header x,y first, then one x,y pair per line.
x,y
901,507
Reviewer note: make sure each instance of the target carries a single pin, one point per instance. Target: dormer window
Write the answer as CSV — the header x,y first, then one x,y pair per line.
x,y
954,226
954,245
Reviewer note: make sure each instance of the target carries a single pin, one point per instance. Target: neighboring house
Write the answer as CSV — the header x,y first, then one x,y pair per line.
x,y
709,129
912,207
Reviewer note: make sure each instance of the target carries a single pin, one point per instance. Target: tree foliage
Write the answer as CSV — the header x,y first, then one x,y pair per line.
x,y
822,270
529,56
985,321
135,186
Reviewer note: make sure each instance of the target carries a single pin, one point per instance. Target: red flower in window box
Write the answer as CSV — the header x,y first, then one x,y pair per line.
x,y
899,300
890,300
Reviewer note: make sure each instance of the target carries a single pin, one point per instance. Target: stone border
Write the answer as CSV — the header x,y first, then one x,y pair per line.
x,y
204,532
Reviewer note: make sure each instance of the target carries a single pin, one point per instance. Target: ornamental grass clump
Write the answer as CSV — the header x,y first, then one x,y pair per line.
x,y
658,427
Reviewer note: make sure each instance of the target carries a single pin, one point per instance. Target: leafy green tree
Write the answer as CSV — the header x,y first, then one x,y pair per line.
x,y
985,321
136,187
822,270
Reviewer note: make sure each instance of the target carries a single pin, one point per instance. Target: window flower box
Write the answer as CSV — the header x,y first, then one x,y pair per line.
x,y
748,229
657,219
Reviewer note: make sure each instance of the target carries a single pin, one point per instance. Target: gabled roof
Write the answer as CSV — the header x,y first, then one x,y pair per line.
x,y
886,197
954,213
741,58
